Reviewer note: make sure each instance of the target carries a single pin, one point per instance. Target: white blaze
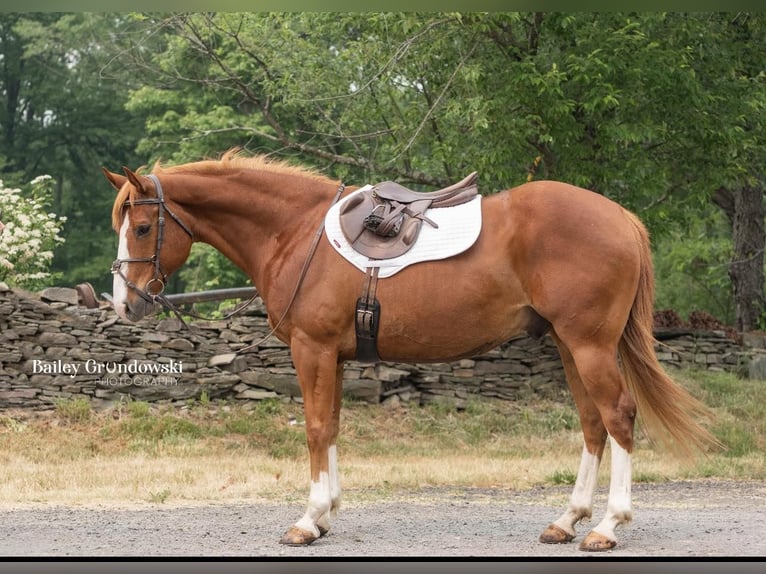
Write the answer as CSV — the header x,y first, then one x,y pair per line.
x,y
119,288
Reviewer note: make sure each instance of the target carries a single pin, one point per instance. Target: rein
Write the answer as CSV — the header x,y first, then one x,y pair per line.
x,y
160,276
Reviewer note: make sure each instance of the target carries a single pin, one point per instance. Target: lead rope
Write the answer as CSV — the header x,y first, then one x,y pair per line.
x,y
301,277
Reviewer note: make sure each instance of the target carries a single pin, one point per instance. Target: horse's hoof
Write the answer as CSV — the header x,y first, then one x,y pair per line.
x,y
298,537
595,542
323,530
555,535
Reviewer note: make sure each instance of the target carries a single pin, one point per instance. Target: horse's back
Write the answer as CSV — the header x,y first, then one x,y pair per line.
x,y
544,203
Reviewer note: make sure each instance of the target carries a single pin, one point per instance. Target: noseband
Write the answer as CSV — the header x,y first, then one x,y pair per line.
x,y
159,275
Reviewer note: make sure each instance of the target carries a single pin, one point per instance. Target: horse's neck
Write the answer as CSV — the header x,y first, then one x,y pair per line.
x,y
255,219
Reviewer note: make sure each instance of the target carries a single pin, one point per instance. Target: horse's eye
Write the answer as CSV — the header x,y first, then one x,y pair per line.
x,y
143,230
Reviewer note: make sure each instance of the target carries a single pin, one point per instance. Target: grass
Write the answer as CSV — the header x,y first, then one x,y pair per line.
x,y
73,411
213,451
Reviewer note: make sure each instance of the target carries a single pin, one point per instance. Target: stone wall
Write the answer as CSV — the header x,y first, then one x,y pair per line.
x,y
51,348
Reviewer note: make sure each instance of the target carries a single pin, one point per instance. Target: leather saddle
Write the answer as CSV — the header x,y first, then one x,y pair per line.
x,y
384,221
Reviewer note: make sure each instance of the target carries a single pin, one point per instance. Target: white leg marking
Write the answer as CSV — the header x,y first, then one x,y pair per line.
x,y
320,501
334,478
324,521
119,288
581,500
618,508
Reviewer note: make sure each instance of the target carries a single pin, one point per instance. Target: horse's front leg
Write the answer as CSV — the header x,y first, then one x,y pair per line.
x,y
332,455
321,378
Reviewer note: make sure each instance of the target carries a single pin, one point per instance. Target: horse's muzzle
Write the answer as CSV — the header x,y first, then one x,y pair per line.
x,y
133,308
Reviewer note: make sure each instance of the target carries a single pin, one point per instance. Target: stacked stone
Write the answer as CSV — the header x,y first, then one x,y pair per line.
x,y
52,329
710,350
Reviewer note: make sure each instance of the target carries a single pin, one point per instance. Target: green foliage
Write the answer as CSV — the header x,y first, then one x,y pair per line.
x,y
30,235
643,476
264,428
740,406
691,269
139,409
269,431
655,110
436,432
155,430
74,411
160,496
482,422
563,477
269,408
63,114
206,269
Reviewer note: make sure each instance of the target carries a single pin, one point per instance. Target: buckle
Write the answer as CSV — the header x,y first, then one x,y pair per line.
x,y
155,280
377,216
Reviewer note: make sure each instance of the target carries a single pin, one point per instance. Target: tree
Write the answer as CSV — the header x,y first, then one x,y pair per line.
x,y
63,117
608,101
740,78
661,112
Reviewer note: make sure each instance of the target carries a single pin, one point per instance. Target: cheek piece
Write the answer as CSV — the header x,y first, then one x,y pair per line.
x,y
153,291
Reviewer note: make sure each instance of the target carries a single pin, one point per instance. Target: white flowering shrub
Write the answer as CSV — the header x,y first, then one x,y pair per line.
x,y
29,236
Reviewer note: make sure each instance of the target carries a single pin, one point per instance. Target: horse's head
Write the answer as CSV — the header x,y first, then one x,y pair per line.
x,y
152,246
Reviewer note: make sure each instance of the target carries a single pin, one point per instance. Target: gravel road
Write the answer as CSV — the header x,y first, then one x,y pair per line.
x,y
677,519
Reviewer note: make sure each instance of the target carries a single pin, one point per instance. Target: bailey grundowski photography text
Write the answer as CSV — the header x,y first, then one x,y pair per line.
x,y
133,372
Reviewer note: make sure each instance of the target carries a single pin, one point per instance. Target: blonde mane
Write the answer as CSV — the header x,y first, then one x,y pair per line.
x,y
232,159
235,159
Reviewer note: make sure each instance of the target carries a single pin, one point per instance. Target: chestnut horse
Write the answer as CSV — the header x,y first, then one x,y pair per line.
x,y
551,258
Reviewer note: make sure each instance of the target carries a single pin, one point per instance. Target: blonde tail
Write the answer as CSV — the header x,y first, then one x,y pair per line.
x,y
668,414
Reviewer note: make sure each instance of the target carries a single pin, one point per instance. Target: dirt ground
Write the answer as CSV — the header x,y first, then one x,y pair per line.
x,y
678,519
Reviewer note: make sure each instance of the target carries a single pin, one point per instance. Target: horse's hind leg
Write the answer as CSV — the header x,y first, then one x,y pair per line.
x,y
581,500
604,383
600,393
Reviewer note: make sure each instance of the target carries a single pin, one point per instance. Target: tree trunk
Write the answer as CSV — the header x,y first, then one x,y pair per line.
x,y
745,209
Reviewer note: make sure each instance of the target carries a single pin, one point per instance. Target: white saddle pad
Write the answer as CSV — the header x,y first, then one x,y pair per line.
x,y
459,228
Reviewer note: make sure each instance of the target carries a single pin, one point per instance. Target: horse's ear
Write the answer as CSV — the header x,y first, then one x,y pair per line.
x,y
115,179
135,179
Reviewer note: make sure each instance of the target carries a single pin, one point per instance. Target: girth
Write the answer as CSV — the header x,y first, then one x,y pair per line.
x,y
367,319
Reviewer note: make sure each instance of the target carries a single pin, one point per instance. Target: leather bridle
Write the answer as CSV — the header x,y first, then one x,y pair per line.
x,y
160,277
